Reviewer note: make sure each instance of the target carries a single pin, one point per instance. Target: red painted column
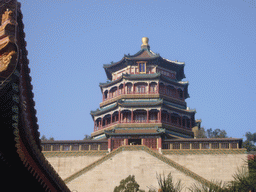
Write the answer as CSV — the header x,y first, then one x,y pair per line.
x,y
109,144
147,115
158,87
101,122
111,119
160,115
133,88
117,90
159,143
132,116
119,121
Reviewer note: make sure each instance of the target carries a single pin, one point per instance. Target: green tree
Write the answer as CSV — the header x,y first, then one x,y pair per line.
x,y
209,133
128,185
244,180
44,138
217,133
86,137
51,139
214,186
167,185
249,143
201,133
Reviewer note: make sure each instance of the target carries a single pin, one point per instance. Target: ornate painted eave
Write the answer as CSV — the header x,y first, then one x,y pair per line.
x,y
176,62
105,109
179,134
134,131
186,111
145,54
128,104
145,77
136,56
141,103
131,77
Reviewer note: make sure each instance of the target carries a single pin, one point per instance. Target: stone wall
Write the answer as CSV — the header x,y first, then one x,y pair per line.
x,y
66,165
105,172
107,175
212,166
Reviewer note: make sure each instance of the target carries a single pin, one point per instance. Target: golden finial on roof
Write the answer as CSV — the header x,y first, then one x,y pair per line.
x,y
144,40
144,43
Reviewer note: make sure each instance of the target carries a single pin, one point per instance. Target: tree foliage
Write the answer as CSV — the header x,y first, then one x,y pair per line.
x,y
128,185
167,185
249,143
214,186
209,133
43,138
87,137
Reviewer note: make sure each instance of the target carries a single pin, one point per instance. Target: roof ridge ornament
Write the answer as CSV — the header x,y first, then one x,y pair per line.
x,y
145,44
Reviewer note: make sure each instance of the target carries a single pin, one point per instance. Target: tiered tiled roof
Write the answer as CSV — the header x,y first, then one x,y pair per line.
x,y
145,54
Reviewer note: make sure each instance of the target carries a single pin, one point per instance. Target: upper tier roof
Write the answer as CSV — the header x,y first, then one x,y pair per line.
x,y
145,54
144,77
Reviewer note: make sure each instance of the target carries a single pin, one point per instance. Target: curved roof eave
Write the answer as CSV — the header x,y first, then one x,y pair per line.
x,y
101,111
132,57
105,66
176,62
102,85
131,76
191,111
151,53
126,104
140,104
184,83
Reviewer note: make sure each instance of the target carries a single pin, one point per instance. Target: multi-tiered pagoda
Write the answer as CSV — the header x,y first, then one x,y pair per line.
x,y
143,103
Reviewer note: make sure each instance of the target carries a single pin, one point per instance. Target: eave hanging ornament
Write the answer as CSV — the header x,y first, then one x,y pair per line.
x,y
8,46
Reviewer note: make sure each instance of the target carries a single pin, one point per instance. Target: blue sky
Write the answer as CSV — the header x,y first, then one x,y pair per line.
x,y
69,41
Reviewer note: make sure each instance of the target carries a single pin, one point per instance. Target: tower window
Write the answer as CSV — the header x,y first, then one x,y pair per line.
x,y
142,67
